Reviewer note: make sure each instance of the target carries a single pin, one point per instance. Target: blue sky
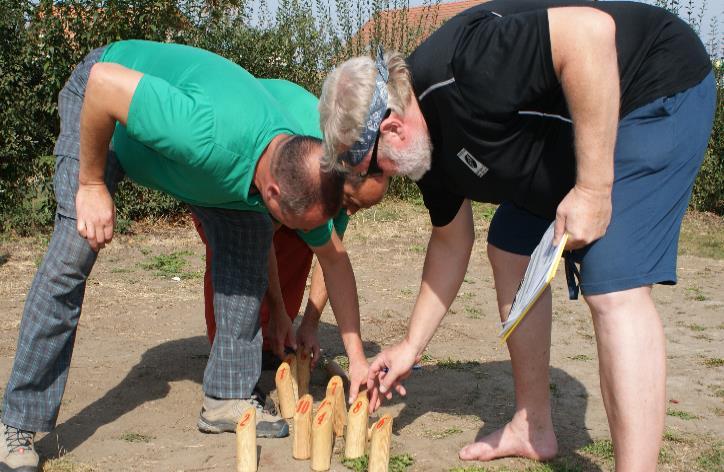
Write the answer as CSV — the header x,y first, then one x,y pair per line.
x,y
712,8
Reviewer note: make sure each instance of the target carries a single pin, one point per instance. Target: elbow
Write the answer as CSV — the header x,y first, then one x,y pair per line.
x,y
601,28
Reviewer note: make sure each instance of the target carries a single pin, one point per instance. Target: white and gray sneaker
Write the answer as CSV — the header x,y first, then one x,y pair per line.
x,y
17,453
221,415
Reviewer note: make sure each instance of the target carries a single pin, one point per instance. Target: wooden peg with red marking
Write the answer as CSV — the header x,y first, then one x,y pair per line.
x,y
335,390
246,441
302,441
285,390
355,441
380,445
304,362
291,359
322,438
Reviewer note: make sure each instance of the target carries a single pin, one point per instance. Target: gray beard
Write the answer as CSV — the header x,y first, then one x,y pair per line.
x,y
413,161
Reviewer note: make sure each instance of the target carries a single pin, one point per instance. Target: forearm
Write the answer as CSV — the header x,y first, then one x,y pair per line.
x,y
343,297
445,266
317,296
274,291
583,45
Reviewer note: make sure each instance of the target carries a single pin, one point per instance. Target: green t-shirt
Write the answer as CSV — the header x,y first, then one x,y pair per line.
x,y
198,123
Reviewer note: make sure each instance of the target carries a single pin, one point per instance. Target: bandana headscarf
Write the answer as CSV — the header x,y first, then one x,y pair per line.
x,y
375,115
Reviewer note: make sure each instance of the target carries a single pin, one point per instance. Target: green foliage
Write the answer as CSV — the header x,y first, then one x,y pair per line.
x,y
603,449
42,40
358,464
136,437
401,462
681,414
167,265
713,459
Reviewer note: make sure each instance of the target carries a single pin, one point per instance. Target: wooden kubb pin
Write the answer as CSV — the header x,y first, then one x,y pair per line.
x,y
335,392
302,441
380,445
322,438
246,441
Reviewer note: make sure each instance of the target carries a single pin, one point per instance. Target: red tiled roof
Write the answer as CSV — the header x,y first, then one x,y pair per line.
x,y
392,25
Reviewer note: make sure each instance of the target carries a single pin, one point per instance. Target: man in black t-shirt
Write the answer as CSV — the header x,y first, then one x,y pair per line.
x,y
486,109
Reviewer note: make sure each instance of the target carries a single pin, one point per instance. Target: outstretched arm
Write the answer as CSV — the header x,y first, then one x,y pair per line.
x,y
583,48
307,334
448,255
342,289
107,101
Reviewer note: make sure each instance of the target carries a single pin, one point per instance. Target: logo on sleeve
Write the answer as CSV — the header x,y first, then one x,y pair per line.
x,y
476,166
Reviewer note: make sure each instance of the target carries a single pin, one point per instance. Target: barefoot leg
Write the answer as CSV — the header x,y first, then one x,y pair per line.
x,y
530,432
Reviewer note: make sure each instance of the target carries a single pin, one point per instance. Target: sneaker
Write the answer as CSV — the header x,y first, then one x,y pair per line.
x,y
221,415
268,404
17,453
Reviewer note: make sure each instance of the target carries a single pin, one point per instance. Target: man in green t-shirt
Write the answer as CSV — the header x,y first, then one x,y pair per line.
x,y
194,125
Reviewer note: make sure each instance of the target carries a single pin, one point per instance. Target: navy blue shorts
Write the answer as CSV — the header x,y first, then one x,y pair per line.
x,y
659,149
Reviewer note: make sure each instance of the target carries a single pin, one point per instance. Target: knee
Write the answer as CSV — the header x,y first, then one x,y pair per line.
x,y
625,300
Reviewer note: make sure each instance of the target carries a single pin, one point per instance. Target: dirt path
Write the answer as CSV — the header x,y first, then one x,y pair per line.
x,y
135,384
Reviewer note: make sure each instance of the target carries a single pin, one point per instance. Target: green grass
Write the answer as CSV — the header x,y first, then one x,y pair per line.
x,y
557,465
484,211
418,248
472,468
581,357
713,361
671,435
603,449
132,437
343,362
681,414
456,365
427,359
701,235
358,465
696,327
695,293
170,265
472,313
401,462
713,459
432,434
63,464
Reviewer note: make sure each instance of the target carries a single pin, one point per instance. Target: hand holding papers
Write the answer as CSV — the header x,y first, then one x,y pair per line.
x,y
541,270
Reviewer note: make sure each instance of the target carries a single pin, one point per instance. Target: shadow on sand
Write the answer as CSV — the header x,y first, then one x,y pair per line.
x,y
456,388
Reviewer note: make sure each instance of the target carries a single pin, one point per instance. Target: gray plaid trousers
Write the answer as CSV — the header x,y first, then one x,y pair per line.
x,y
240,242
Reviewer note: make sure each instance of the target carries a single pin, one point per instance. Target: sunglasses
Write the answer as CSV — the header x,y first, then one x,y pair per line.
x,y
374,168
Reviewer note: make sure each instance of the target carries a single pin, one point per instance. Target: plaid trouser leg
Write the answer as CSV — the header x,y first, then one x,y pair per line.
x,y
52,308
240,243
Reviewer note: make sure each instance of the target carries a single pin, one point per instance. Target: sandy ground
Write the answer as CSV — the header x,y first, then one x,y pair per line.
x,y
134,389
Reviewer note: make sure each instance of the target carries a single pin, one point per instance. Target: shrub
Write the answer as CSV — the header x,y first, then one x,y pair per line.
x,y
42,40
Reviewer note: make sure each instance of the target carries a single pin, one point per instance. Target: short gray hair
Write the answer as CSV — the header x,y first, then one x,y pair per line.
x,y
346,97
301,183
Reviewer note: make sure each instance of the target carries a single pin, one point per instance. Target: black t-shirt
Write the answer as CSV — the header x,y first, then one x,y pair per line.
x,y
495,110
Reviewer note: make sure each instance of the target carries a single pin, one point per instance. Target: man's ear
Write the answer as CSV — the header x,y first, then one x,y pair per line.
x,y
394,126
272,192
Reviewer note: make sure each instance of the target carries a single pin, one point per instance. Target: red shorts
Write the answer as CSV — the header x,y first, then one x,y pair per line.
x,y
294,260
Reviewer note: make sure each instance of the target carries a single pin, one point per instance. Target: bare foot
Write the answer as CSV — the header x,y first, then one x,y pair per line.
x,y
514,439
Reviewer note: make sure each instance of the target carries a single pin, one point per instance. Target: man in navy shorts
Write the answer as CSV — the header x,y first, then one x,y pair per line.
x,y
592,115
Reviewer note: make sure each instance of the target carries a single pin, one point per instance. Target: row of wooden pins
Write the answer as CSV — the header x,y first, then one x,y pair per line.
x,y
313,435
292,382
